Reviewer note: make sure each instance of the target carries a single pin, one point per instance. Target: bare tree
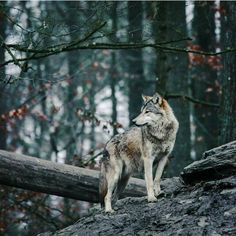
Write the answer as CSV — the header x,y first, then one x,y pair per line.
x,y
3,130
204,78
228,100
135,58
178,83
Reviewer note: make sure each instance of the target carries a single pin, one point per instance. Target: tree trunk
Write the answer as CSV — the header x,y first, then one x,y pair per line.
x,y
204,79
160,30
3,128
178,83
73,65
113,71
228,100
135,59
172,78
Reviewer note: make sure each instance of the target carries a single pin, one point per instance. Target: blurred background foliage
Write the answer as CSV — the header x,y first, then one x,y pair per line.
x,y
72,74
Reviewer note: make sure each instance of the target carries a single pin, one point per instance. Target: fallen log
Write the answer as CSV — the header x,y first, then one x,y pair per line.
x,y
44,176
218,163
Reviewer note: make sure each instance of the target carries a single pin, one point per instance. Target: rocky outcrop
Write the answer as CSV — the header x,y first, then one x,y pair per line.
x,y
206,206
216,163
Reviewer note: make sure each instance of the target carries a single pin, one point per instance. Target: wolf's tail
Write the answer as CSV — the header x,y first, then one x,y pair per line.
x,y
102,183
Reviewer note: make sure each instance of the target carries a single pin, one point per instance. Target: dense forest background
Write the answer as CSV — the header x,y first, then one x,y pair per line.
x,y
72,75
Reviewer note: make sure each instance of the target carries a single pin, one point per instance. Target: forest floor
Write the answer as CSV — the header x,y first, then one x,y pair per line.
x,y
207,208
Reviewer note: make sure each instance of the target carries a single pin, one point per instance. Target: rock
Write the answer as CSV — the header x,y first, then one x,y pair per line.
x,y
203,221
185,210
217,163
202,202
220,149
230,212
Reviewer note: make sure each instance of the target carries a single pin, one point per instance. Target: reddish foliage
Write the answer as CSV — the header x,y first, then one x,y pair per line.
x,y
195,59
220,9
95,65
89,116
214,62
41,116
15,113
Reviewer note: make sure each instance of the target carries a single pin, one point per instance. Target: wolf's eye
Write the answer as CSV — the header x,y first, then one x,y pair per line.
x,y
147,112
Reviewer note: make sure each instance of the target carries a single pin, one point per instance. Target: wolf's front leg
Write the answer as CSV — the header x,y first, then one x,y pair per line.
x,y
159,171
149,179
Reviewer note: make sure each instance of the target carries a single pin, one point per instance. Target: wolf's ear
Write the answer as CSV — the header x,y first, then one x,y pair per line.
x,y
157,98
146,98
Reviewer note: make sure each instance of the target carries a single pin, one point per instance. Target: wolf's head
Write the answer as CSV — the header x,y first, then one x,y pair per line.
x,y
152,111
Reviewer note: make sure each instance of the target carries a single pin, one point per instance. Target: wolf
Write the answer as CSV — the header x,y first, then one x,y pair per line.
x,y
152,137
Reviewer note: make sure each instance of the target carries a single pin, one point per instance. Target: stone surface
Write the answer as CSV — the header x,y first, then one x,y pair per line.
x,y
217,163
203,209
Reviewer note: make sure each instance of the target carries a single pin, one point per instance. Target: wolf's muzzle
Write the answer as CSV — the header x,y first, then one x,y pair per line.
x,y
138,125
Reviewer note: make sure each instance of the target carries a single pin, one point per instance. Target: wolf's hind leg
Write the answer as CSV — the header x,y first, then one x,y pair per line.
x,y
112,181
120,187
159,171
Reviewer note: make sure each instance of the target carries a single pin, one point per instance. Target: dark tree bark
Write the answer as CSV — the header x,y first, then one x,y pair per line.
x,y
73,65
228,100
160,30
178,83
135,59
204,79
113,71
3,128
172,78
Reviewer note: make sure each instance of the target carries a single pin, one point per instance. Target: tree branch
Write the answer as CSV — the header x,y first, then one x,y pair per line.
x,y
75,45
79,45
191,99
45,52
14,59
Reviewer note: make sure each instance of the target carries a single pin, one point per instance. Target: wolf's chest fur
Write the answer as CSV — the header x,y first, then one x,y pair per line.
x,y
153,142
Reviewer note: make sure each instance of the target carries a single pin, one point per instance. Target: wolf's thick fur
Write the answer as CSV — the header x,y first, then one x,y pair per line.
x,y
152,138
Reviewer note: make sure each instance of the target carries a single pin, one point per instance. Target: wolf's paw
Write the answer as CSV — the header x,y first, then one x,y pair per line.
x,y
157,190
152,199
109,210
160,194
